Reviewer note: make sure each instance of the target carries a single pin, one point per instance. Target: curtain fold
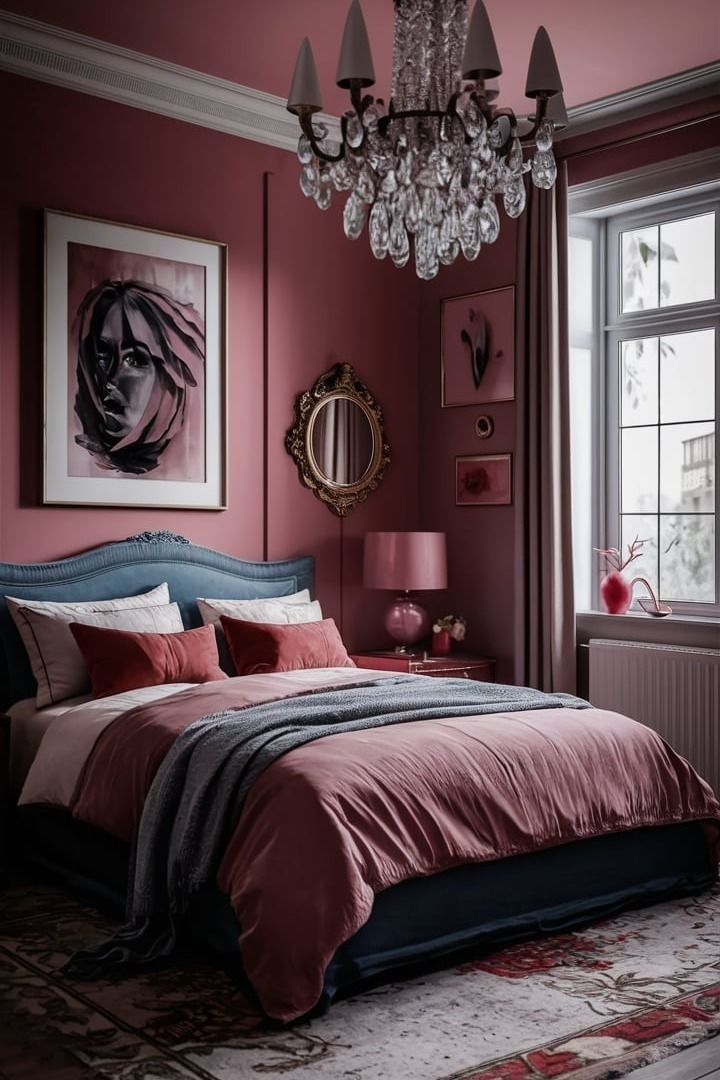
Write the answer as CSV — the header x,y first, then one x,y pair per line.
x,y
544,603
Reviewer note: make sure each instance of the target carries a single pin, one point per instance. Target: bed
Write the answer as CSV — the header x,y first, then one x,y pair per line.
x,y
466,905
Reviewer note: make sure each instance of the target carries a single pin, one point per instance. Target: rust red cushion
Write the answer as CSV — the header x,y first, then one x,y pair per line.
x,y
257,648
120,660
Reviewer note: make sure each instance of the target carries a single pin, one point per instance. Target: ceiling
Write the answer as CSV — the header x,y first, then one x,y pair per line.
x,y
601,48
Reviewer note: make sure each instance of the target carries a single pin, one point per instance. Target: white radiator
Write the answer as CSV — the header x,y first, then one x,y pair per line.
x,y
674,690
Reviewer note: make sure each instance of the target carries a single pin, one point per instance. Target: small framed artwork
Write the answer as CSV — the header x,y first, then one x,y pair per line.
x,y
135,358
483,480
478,348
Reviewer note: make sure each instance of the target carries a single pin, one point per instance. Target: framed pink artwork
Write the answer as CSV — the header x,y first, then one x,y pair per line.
x,y
134,366
478,348
483,480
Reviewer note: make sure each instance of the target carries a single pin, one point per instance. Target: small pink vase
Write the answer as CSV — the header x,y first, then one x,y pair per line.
x,y
616,593
441,643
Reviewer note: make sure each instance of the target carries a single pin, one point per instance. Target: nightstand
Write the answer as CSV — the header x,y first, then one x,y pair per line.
x,y
455,666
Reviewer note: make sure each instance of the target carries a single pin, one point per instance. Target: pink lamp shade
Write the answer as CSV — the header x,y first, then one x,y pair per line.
x,y
405,562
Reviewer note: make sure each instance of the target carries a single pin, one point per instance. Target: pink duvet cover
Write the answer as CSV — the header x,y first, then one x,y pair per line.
x,y
333,822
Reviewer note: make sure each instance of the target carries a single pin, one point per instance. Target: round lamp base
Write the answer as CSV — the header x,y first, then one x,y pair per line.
x,y
406,621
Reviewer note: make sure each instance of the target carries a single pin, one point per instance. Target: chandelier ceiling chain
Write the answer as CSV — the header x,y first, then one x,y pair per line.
x,y
429,164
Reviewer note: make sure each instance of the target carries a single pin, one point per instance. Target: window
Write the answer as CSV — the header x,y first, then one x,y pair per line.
x,y
645,376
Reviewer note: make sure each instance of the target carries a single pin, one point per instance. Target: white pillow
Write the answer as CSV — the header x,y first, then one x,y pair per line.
x,y
56,650
296,608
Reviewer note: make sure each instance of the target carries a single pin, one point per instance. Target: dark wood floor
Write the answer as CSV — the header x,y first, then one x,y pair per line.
x,y
701,1062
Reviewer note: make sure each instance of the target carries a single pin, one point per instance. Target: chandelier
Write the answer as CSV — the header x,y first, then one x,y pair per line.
x,y
430,164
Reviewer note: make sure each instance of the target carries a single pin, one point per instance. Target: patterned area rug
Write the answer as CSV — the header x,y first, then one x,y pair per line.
x,y
592,1005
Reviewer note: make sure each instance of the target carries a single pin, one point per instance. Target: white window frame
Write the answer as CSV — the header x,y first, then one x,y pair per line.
x,y
593,229
611,326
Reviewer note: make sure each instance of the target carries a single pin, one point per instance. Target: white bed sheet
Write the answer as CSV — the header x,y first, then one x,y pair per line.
x,y
68,738
28,724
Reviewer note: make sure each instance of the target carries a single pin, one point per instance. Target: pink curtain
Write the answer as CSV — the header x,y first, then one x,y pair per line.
x,y
544,605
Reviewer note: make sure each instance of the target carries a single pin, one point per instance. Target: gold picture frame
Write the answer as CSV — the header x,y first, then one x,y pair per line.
x,y
340,483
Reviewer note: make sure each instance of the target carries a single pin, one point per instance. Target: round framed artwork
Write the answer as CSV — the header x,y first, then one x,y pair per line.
x,y
484,427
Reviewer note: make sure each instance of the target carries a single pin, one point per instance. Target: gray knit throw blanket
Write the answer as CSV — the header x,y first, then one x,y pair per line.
x,y
198,793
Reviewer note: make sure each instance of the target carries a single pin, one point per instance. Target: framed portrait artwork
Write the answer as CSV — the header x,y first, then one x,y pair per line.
x,y
135,356
483,480
478,348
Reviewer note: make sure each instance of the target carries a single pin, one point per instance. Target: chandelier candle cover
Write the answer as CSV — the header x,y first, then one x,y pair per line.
x,y
430,164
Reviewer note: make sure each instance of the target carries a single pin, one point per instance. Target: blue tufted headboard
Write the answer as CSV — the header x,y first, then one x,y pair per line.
x,y
129,567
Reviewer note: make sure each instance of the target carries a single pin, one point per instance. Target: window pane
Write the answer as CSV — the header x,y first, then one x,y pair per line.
x,y
639,464
643,527
687,467
687,376
640,269
580,299
687,260
687,557
581,433
639,382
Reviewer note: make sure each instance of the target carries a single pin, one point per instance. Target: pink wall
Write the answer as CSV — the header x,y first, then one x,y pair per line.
x,y
328,300
480,539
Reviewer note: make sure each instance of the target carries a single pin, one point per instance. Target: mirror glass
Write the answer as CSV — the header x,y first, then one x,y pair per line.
x,y
342,441
338,440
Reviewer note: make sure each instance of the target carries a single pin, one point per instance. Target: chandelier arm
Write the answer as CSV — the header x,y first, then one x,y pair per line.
x,y
453,114
481,102
306,124
540,117
504,150
359,103
419,113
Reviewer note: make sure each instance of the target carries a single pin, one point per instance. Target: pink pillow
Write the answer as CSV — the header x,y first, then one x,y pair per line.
x,y
120,660
257,648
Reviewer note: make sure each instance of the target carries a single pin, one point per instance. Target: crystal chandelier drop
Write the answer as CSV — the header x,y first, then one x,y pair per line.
x,y
429,165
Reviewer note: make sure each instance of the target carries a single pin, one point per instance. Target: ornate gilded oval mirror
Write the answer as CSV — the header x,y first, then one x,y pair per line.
x,y
338,441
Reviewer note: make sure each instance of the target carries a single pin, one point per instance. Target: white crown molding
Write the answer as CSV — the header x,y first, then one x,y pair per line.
x,y
638,101
613,194
62,57
75,62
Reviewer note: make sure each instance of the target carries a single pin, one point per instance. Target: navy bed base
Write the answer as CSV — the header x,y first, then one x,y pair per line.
x,y
471,910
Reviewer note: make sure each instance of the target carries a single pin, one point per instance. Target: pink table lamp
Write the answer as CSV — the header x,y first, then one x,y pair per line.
x,y
405,562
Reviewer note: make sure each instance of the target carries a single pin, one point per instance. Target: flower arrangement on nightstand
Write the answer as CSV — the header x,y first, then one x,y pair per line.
x,y
447,629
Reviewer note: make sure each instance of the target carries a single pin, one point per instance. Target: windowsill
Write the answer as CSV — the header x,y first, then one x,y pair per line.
x,y
712,621
684,631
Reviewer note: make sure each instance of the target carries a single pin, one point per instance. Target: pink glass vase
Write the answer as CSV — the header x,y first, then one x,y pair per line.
x,y
441,643
616,593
